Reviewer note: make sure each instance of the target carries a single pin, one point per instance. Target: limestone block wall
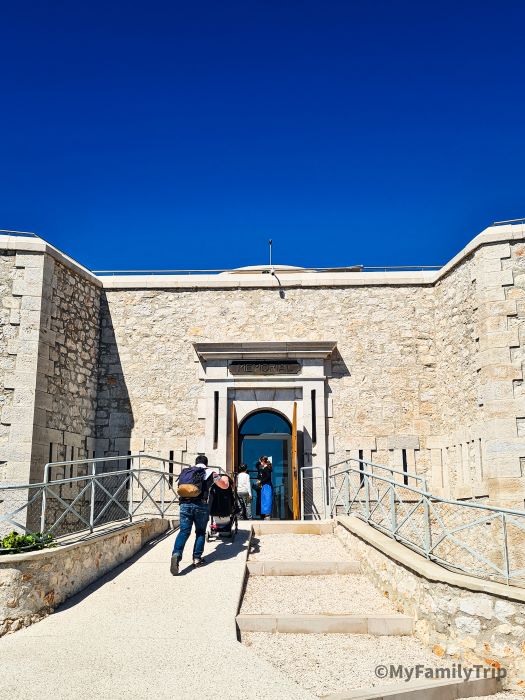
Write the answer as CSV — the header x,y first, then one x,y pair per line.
x,y
478,447
456,348
502,370
64,427
48,355
9,329
384,387
22,279
25,302
49,342
456,445
380,385
427,374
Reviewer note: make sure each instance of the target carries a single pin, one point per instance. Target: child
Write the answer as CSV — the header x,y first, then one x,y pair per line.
x,y
244,491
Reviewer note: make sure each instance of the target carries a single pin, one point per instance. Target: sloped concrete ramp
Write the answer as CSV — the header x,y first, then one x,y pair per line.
x,y
141,633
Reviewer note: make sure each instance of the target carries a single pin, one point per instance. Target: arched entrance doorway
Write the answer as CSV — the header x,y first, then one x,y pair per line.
x,y
269,433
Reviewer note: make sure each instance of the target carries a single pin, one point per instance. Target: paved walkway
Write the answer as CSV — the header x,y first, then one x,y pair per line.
x,y
140,633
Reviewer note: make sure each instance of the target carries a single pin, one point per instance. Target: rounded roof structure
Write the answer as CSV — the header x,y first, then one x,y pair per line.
x,y
264,269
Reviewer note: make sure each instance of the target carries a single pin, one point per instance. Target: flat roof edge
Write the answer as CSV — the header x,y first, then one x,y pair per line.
x,y
491,235
29,244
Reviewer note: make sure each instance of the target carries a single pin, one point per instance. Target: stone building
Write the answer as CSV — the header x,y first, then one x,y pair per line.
x,y
422,370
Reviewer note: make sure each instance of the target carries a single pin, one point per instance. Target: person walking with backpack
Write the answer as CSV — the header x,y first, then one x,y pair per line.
x,y
193,489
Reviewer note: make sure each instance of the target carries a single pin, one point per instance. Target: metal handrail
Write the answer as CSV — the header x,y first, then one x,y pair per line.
x,y
92,462
392,470
129,491
257,269
508,221
116,458
434,526
264,269
424,492
323,488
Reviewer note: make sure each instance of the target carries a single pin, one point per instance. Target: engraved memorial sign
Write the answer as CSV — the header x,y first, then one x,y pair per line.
x,y
264,367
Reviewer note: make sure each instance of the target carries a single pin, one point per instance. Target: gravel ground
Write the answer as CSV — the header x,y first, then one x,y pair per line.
x,y
500,696
352,594
298,548
331,663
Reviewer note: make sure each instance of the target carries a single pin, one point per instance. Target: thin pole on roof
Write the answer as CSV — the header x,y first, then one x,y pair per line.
x,y
270,243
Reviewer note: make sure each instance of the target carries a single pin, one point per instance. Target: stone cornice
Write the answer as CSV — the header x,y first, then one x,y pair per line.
x,y
255,280
265,351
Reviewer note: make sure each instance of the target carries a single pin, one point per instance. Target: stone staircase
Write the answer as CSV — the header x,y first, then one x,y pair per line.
x,y
309,611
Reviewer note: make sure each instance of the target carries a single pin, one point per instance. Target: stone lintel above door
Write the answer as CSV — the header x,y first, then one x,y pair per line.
x,y
290,350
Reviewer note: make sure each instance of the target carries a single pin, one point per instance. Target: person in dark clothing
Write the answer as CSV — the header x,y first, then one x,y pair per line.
x,y
264,469
194,511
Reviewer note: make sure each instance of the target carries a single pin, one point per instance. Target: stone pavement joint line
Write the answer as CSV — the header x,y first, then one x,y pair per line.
x,y
140,633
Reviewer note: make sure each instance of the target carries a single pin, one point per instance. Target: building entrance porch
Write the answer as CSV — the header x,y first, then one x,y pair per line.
x,y
267,433
269,398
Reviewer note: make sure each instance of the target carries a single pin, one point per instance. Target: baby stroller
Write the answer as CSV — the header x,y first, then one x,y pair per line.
x,y
224,509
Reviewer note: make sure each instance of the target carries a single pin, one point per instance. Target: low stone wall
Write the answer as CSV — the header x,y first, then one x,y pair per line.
x,y
33,584
467,619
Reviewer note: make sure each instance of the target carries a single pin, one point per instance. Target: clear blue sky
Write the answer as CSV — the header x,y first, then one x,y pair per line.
x,y
185,134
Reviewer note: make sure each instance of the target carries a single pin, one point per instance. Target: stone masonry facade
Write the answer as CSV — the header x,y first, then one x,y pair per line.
x,y
70,346
463,624
426,371
9,329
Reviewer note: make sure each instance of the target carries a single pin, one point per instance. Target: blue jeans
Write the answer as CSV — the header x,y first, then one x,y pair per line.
x,y
191,513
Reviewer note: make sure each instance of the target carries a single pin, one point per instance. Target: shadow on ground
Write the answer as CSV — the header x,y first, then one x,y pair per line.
x,y
106,578
225,549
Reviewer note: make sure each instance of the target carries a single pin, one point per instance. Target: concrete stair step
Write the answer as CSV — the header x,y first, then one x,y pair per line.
x,y
424,690
301,568
297,527
326,624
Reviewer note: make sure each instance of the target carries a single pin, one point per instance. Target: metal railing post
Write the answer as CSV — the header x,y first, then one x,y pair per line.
x,y
428,527
92,503
346,494
393,515
301,487
505,547
326,494
367,496
130,493
331,496
44,499
162,485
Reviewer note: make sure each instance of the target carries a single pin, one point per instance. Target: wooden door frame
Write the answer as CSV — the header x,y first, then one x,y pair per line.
x,y
295,443
296,506
234,440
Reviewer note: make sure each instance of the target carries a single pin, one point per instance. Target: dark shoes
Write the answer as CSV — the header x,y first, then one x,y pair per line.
x,y
175,563
174,567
